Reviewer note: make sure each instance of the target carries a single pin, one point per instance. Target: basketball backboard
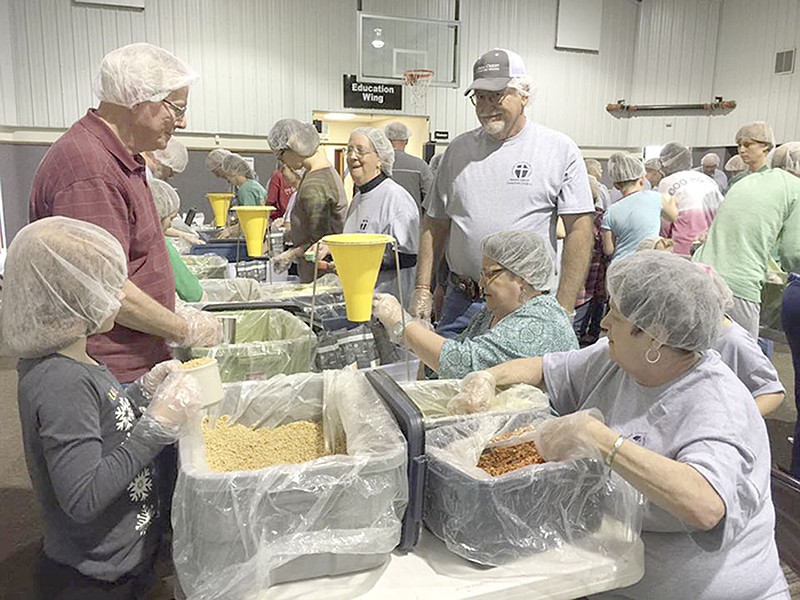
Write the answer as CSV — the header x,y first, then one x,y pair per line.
x,y
388,46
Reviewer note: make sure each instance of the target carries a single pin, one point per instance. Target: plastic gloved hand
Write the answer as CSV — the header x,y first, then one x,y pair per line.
x,y
153,378
174,401
567,437
421,304
277,224
202,328
283,261
477,392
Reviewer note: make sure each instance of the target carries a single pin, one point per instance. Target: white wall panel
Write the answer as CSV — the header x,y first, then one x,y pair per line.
x,y
750,35
675,57
8,103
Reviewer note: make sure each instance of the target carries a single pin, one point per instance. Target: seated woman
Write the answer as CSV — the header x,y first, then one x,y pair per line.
x,y
674,421
167,202
520,317
381,205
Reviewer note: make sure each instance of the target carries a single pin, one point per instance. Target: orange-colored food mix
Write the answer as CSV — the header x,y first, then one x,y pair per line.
x,y
503,459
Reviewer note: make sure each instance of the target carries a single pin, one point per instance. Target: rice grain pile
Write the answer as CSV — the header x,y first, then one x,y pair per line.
x,y
235,447
503,459
196,362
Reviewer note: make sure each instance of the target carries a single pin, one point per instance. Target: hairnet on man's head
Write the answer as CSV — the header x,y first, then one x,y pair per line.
x,y
175,156
669,298
758,131
523,253
140,73
234,165
291,134
787,157
397,131
381,144
62,280
675,157
165,197
624,167
593,167
653,164
710,160
214,159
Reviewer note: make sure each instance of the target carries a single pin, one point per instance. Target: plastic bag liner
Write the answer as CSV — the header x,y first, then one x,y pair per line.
x,y
284,291
238,533
431,397
207,266
497,520
268,342
239,289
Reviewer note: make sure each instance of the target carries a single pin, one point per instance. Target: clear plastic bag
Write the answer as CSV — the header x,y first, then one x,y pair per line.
x,y
277,292
238,533
268,342
497,520
239,289
206,266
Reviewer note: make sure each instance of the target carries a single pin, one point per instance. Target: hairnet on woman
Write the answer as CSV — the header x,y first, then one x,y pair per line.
x,y
320,202
663,411
520,317
239,173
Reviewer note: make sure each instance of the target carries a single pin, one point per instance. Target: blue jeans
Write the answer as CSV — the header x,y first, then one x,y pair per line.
x,y
457,312
790,318
587,321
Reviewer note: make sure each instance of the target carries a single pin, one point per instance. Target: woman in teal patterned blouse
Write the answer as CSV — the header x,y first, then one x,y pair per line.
x,y
520,319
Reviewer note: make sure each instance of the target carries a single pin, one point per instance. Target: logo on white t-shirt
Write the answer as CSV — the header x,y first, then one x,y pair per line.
x,y
363,225
520,174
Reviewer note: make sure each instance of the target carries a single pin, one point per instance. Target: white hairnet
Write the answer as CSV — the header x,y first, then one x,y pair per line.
x,y
710,159
523,253
757,131
215,158
234,164
593,167
735,164
434,164
675,157
653,164
381,145
787,157
669,298
624,167
140,73
62,281
175,156
397,131
291,134
165,197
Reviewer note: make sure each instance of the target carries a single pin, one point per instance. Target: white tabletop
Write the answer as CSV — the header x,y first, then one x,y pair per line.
x,y
431,571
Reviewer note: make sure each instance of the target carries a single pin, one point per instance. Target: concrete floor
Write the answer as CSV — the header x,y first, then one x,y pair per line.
x,y
21,526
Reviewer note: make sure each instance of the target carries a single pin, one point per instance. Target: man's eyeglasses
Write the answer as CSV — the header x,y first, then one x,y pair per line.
x,y
490,97
490,275
359,151
178,111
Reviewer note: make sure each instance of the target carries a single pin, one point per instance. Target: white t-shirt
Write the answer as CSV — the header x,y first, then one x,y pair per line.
x,y
707,419
523,183
698,199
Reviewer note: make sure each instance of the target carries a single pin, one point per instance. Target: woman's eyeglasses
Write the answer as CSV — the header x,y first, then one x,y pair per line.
x,y
359,151
178,111
487,276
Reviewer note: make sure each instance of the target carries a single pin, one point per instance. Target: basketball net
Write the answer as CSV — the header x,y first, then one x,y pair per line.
x,y
418,80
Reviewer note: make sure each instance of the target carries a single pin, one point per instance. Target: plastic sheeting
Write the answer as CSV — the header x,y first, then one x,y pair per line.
x,y
267,343
238,533
431,397
239,289
277,292
206,266
497,520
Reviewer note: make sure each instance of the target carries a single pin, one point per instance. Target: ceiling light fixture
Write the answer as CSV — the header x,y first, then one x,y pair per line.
x,y
332,116
378,42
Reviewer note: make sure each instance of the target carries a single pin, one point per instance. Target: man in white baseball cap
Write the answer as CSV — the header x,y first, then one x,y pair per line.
x,y
508,174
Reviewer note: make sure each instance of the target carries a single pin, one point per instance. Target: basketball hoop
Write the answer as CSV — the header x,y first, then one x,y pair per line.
x,y
418,81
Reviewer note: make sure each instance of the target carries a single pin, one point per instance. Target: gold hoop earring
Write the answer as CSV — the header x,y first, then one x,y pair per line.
x,y
652,361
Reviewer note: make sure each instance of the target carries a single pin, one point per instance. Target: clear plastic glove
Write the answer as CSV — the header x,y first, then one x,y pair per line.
x,y
567,437
202,328
277,225
174,401
477,393
153,378
421,304
282,262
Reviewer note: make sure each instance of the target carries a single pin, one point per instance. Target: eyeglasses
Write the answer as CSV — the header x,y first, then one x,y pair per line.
x,y
359,151
490,97
491,274
178,111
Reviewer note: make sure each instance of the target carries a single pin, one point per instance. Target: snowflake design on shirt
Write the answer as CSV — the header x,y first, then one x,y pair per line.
x,y
139,489
124,414
144,518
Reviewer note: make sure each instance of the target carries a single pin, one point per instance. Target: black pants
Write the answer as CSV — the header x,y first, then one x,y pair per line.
x,y
60,582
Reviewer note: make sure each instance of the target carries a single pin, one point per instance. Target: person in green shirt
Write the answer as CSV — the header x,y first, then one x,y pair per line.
x,y
249,192
753,142
167,204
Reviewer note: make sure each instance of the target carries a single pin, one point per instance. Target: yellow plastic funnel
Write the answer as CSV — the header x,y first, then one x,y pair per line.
x,y
358,259
220,203
253,222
